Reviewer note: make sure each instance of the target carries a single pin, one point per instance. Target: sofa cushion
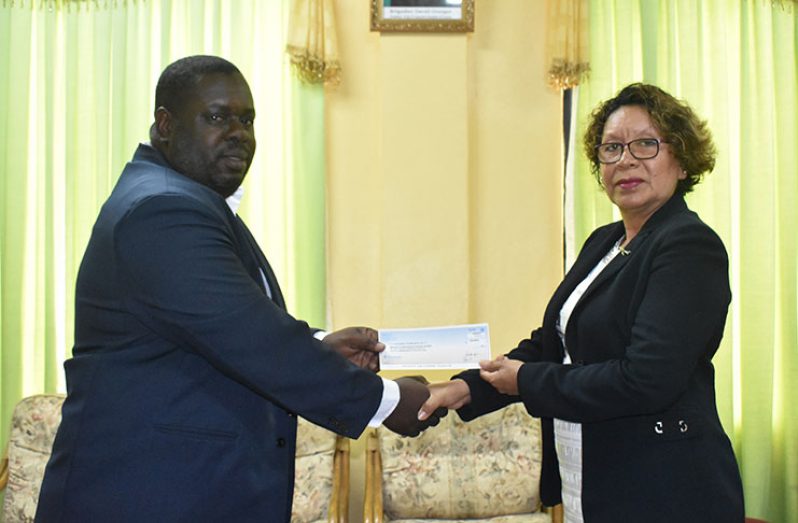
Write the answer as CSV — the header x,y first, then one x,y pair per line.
x,y
488,467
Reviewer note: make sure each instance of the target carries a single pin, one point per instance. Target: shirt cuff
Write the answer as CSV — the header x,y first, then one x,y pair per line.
x,y
390,399
320,335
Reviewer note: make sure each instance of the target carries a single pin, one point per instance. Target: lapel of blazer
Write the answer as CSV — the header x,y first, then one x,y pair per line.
x,y
262,264
673,206
617,263
591,254
256,261
593,250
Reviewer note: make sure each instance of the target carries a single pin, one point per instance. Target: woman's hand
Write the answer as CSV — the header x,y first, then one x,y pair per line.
x,y
445,395
502,373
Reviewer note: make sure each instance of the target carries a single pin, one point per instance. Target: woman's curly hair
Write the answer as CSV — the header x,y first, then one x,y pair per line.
x,y
688,135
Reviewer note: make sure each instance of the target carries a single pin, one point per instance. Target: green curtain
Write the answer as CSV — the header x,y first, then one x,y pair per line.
x,y
77,85
736,63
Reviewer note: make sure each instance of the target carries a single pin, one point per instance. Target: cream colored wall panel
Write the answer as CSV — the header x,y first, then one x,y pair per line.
x,y
444,179
424,144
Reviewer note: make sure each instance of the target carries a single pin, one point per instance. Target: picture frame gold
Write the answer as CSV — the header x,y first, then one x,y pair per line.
x,y
422,16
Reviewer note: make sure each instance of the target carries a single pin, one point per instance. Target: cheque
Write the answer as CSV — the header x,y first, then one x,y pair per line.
x,y
448,347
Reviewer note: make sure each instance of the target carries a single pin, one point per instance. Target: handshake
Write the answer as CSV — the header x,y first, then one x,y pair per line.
x,y
421,404
405,418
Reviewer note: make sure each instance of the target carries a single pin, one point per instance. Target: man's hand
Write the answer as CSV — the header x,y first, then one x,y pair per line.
x,y
404,419
443,396
359,345
502,373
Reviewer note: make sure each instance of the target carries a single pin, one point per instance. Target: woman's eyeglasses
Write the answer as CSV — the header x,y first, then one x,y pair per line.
x,y
642,149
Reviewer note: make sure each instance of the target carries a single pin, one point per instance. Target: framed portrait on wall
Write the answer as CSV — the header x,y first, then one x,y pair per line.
x,y
422,15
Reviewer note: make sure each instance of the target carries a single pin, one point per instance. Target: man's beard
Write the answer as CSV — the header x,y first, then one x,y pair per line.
x,y
204,170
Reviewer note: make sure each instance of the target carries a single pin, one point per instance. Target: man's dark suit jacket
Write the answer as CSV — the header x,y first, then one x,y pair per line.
x,y
186,378
641,340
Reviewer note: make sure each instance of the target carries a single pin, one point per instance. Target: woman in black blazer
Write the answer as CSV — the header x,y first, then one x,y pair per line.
x,y
620,371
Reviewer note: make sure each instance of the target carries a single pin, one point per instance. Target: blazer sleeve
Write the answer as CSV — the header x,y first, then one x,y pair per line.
x,y
485,398
680,296
185,280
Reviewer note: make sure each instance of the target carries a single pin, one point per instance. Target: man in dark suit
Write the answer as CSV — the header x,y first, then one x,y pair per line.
x,y
187,372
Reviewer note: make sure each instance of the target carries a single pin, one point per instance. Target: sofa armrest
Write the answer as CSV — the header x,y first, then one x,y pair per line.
x,y
556,513
339,501
372,504
4,469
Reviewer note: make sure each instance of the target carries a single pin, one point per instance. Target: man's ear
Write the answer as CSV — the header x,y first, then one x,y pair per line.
x,y
161,129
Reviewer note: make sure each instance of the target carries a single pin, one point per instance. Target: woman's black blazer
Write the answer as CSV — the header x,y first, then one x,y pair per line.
x,y
641,383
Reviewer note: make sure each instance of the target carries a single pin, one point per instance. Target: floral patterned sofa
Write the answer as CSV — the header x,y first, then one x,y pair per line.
x,y
321,476
322,465
485,470
33,427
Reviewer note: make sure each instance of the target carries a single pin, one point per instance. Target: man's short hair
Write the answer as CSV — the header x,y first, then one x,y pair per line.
x,y
181,76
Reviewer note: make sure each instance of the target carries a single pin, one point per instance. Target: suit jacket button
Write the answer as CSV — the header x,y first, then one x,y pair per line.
x,y
281,442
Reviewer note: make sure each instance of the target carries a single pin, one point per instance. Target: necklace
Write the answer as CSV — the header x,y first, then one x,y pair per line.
x,y
623,251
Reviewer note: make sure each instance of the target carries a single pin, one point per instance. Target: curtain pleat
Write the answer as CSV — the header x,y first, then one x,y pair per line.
x,y
312,42
567,43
